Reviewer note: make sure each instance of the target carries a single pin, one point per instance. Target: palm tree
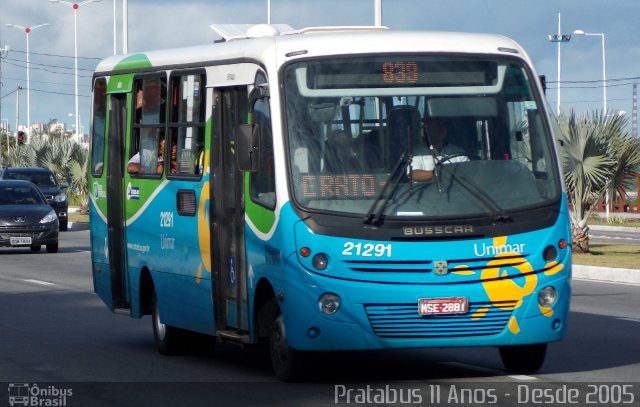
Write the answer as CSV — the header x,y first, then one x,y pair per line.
x,y
66,158
599,157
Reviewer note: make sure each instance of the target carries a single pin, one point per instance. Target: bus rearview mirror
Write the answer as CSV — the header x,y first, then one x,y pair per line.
x,y
248,152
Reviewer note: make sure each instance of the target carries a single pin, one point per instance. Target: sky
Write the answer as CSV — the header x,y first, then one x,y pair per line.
x,y
157,24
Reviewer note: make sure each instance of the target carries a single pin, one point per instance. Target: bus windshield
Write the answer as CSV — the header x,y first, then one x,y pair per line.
x,y
417,136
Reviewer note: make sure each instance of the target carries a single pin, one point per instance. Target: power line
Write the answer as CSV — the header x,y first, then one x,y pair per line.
x,y
58,93
10,93
50,71
48,66
55,55
45,82
632,78
591,87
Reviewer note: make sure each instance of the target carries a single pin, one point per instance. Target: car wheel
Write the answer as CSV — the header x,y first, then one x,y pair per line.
x,y
167,338
52,248
63,226
523,358
35,248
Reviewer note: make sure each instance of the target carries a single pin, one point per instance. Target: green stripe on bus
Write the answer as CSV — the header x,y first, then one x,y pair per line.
x,y
262,218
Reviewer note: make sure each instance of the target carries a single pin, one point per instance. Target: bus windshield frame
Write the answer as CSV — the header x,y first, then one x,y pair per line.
x,y
349,121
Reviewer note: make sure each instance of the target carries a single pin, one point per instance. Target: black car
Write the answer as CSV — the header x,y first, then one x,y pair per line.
x,y
26,219
47,182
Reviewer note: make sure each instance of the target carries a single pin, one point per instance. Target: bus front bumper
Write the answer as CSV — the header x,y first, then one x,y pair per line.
x,y
388,318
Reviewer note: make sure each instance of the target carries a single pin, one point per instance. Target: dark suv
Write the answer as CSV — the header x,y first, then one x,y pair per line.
x,y
48,184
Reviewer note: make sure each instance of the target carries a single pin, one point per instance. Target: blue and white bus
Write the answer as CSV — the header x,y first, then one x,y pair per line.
x,y
273,199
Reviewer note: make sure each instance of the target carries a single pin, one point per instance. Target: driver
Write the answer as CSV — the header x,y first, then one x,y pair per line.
x,y
422,166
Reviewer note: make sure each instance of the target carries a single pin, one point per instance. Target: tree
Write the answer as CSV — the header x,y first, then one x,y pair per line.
x,y
66,158
598,156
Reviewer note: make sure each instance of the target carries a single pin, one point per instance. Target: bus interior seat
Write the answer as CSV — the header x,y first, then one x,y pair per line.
x,y
372,148
402,121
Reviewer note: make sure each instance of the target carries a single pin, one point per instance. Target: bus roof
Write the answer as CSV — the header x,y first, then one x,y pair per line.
x,y
316,41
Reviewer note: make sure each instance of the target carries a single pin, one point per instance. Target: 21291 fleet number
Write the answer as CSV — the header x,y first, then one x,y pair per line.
x,y
367,249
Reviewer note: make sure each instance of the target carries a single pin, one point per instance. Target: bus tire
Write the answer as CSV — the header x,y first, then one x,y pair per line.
x,y
286,362
523,358
166,337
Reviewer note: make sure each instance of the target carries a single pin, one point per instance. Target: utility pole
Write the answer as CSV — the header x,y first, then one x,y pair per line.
x,y
17,111
634,112
3,54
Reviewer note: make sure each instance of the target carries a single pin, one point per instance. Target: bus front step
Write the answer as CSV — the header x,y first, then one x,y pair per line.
x,y
232,336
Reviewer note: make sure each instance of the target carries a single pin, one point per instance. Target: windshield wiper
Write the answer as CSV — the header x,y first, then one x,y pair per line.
x,y
495,210
375,211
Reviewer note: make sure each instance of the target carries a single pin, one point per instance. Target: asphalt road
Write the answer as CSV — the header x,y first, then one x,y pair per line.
x,y
58,341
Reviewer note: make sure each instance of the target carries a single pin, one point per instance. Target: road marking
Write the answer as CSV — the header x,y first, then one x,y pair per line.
x,y
630,319
523,377
489,370
46,283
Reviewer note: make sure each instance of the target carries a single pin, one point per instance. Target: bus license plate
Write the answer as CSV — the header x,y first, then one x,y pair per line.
x,y
19,241
443,306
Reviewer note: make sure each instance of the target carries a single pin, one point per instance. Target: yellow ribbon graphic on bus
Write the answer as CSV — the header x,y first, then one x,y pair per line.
x,y
204,235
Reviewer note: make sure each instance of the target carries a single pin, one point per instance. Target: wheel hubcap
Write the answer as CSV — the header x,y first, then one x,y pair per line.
x,y
279,341
160,327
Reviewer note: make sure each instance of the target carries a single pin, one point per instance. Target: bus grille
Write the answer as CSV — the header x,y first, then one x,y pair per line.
x,y
403,321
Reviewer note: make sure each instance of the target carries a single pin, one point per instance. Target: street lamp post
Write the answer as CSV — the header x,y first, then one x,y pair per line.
x,y
3,54
559,39
377,11
604,67
125,26
28,30
75,7
604,93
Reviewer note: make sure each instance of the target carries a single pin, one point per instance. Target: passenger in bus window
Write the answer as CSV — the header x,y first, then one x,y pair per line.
x,y
133,166
173,164
422,166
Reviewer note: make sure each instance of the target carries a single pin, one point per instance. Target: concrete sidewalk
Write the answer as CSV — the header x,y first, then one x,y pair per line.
x,y
610,274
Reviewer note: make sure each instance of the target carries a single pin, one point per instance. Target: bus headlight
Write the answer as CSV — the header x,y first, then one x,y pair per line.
x,y
547,296
320,261
329,303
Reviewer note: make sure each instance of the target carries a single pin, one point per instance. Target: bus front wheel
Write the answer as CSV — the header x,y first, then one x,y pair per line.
x,y
523,358
166,337
286,362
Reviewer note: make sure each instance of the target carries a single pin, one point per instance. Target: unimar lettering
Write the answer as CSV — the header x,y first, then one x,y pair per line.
x,y
490,250
437,230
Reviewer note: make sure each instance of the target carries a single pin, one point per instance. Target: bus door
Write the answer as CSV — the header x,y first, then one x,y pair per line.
x,y
230,289
115,215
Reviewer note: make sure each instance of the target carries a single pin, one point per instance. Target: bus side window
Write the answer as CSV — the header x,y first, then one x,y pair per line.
x,y
187,124
263,182
146,155
98,126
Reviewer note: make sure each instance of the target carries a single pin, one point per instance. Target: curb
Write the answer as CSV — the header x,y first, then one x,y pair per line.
x,y
632,229
614,275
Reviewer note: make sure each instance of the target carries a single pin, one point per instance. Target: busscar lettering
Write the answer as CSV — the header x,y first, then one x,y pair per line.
x,y
437,230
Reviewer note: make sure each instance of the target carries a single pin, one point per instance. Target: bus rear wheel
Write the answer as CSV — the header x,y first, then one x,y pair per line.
x,y
286,362
166,337
523,358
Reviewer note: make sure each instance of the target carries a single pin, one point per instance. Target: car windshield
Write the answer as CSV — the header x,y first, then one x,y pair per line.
x,y
358,129
20,195
41,179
